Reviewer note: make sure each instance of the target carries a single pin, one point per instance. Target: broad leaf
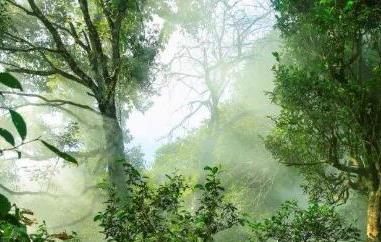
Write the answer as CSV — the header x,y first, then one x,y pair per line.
x,y
10,81
19,123
98,217
7,136
5,205
61,154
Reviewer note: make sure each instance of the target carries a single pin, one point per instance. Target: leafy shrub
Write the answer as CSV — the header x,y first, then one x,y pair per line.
x,y
14,222
316,223
150,213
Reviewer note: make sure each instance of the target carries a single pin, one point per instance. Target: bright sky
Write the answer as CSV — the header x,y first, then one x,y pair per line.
x,y
149,128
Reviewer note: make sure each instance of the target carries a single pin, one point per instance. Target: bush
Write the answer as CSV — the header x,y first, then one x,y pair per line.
x,y
150,213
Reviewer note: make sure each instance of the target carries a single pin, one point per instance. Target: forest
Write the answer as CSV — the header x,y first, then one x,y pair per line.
x,y
190,120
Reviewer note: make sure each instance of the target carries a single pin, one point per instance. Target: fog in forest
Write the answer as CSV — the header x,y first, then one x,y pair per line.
x,y
196,89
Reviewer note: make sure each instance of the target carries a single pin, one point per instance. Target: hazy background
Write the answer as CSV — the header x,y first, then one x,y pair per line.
x,y
255,182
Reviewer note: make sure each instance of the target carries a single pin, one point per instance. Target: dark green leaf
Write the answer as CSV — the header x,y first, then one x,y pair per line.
x,y
214,170
98,217
5,205
19,123
276,55
61,154
206,168
7,136
10,81
199,186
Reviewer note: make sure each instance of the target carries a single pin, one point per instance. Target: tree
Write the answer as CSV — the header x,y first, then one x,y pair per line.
x,y
248,167
318,222
219,36
328,87
105,46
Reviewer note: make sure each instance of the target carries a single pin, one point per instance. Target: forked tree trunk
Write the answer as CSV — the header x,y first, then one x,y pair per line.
x,y
374,216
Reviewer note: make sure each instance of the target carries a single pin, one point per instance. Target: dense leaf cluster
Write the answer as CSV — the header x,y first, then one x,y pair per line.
x,y
316,223
158,214
330,96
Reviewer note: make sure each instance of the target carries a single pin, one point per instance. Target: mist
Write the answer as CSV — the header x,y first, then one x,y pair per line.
x,y
199,96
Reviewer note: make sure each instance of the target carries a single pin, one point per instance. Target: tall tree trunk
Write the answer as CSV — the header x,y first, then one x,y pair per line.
x,y
374,216
115,144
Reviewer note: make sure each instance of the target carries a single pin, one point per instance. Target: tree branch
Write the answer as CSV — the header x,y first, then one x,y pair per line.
x,y
85,79
96,43
22,193
51,101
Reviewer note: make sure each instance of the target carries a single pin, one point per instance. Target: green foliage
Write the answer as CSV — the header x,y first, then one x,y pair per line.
x,y
61,154
150,213
7,136
14,222
4,24
5,205
252,178
328,84
21,128
318,222
13,227
10,81
19,123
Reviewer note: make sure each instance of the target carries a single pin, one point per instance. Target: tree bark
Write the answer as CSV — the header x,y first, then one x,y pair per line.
x,y
115,145
374,216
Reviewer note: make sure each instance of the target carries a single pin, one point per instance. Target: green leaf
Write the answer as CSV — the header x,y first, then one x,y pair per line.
x,y
199,186
7,136
10,81
276,55
349,5
61,154
215,170
19,123
97,217
5,205
207,168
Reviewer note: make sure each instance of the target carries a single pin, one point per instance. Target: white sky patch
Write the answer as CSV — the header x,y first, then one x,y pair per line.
x,y
150,127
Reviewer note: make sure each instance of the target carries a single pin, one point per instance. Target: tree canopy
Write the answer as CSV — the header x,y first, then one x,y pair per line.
x,y
276,133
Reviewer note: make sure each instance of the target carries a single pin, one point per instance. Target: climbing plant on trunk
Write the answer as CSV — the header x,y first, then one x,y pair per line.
x,y
106,46
328,87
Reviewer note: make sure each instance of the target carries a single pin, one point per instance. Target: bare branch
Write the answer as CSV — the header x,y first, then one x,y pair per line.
x,y
23,193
